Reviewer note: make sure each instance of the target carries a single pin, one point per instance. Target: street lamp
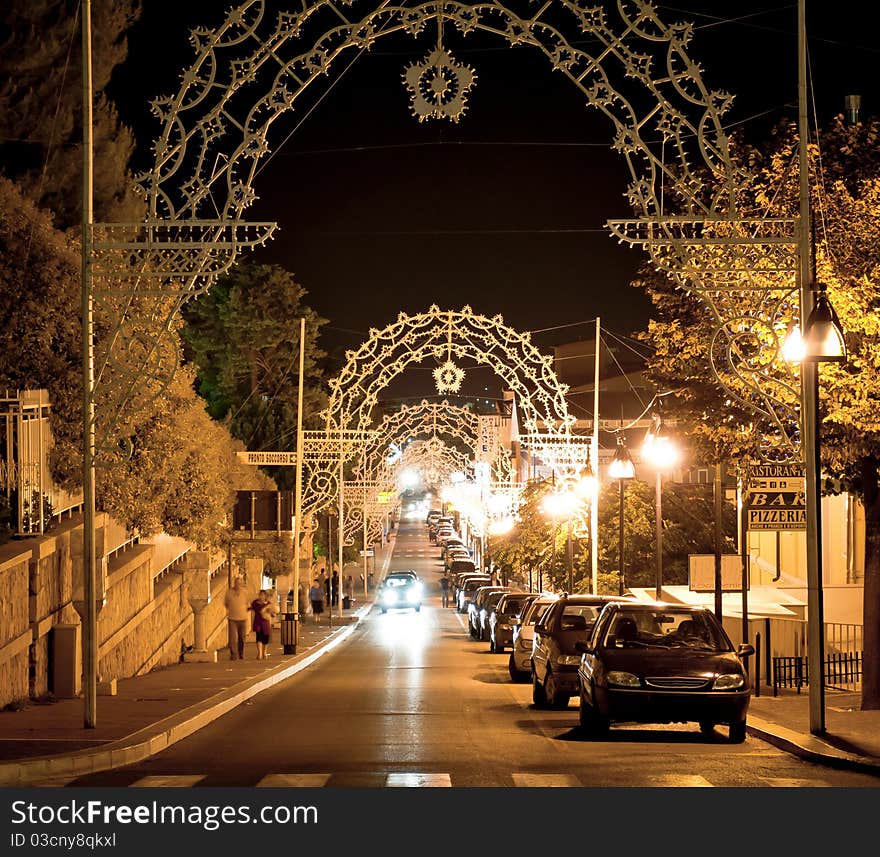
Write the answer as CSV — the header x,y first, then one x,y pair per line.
x,y
621,469
662,454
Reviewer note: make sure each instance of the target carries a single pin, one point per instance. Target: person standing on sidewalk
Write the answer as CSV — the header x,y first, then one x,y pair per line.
x,y
236,606
263,613
316,598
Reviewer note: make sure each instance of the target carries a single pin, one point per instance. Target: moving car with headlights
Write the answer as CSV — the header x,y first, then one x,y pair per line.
x,y
662,663
520,664
400,590
555,660
509,606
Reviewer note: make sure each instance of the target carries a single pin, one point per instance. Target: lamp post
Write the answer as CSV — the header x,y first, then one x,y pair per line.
x,y
822,341
621,469
661,453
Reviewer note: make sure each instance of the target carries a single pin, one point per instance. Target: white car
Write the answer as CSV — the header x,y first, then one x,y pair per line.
x,y
520,663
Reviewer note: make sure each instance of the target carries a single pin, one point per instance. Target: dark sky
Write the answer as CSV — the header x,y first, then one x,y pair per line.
x,y
504,211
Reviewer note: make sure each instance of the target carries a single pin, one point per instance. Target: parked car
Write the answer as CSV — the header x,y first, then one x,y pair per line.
x,y
510,606
476,604
520,664
555,659
468,587
454,553
450,544
662,663
486,606
461,566
400,590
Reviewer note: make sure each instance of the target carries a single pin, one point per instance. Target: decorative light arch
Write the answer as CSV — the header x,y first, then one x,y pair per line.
x,y
627,63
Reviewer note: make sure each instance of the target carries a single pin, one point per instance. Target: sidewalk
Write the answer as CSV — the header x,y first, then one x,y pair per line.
x,y
47,744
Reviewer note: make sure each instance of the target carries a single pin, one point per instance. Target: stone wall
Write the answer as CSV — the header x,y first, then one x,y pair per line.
x,y
15,635
145,619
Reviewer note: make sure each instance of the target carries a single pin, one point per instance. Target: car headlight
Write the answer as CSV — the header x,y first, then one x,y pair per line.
x,y
569,660
504,626
622,679
389,597
729,681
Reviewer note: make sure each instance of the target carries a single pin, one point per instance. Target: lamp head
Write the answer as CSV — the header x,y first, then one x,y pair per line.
x,y
823,335
621,466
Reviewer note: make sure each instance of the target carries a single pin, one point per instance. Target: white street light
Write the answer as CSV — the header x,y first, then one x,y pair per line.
x,y
662,454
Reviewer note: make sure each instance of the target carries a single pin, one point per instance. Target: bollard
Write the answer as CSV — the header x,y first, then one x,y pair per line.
x,y
289,632
757,664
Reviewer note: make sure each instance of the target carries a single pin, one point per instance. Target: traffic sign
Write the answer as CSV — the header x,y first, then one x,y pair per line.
x,y
263,457
368,553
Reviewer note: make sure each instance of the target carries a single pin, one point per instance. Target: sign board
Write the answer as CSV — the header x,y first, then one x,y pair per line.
x,y
701,572
775,497
369,552
263,511
385,497
265,458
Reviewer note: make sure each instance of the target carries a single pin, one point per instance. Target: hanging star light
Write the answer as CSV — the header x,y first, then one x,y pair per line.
x,y
438,86
448,377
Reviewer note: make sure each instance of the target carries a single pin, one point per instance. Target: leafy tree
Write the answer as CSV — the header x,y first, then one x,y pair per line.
x,y
41,107
845,201
243,338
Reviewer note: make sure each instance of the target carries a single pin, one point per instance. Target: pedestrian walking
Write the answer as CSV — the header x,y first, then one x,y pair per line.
x,y
236,606
316,597
262,623
444,590
348,592
334,588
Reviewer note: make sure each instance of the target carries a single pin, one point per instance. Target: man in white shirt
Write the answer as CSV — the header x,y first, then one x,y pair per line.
x,y
236,618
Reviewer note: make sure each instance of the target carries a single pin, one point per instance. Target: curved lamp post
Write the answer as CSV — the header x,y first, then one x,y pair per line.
x,y
662,454
622,469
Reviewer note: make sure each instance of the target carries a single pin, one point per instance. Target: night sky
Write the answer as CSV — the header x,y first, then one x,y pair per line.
x,y
503,211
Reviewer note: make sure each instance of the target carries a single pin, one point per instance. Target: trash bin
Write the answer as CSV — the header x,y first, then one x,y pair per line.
x,y
346,602
289,632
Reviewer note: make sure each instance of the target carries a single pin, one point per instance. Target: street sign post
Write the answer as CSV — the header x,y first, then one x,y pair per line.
x,y
265,458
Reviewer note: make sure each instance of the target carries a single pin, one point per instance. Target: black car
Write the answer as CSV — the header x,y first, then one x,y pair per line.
x,y
555,659
509,606
662,663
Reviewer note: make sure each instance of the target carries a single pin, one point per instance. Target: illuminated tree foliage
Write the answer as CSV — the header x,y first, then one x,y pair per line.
x,y
845,202
243,339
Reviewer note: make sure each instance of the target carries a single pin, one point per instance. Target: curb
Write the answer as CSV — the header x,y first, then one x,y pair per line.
x,y
810,748
147,741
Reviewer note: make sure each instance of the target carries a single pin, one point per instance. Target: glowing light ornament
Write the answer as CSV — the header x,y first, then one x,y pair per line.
x,y
438,85
448,377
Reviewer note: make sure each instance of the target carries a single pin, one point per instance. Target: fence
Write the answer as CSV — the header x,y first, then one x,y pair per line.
x,y
842,671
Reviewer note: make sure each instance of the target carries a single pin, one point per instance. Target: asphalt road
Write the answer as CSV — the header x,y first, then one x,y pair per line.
x,y
411,699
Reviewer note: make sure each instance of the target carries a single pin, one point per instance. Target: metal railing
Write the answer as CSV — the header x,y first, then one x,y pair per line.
x,y
842,671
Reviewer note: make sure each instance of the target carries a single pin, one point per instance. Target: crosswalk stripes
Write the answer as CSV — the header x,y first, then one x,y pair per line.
x,y
168,781
307,781
415,780
421,779
544,781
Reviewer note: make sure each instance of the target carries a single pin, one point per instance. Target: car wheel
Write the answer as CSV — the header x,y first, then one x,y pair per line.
x,y
592,724
554,696
492,648
707,727
737,732
539,697
515,674
384,610
418,607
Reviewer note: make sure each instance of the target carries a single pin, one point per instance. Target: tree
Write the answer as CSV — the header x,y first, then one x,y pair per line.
x,y
845,201
243,339
41,107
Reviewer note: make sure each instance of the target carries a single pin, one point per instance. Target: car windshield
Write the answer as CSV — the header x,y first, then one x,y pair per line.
x,y
513,603
667,629
401,580
536,612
